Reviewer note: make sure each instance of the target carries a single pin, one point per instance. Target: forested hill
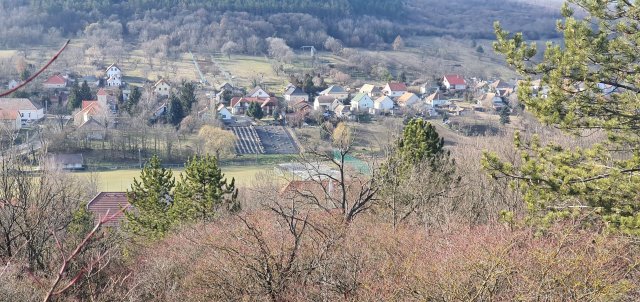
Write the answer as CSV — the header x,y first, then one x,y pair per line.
x,y
189,24
318,8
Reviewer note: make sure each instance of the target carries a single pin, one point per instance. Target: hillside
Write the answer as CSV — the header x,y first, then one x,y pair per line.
x,y
190,23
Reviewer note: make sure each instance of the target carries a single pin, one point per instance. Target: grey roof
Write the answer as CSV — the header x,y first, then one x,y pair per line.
x,y
325,99
333,89
17,104
294,91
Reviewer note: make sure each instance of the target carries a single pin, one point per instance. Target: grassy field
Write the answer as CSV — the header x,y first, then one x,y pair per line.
x,y
121,180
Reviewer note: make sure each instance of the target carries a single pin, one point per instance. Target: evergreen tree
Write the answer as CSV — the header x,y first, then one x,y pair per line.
x,y
152,198
85,92
420,141
203,191
187,96
75,98
132,101
255,111
504,115
175,112
402,77
593,85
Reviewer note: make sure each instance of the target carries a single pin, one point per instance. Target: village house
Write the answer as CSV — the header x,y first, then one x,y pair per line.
x,y
408,99
336,92
335,105
28,111
108,99
371,90
114,76
489,101
240,105
109,203
162,88
323,102
436,99
92,129
394,90
343,111
294,94
501,88
454,82
258,92
91,109
10,120
224,113
55,81
361,102
383,104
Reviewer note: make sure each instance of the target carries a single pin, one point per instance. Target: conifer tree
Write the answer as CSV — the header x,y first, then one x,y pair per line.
x,y
504,115
175,112
75,98
151,197
255,111
85,92
203,191
592,85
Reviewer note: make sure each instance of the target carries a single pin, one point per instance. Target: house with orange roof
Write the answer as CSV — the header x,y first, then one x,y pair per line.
x,y
55,81
10,120
109,203
28,111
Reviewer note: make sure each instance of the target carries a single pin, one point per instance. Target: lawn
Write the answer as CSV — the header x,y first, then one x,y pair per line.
x,y
121,180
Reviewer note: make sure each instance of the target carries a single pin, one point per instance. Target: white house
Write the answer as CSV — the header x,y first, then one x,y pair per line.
x,y
361,102
454,82
28,111
114,76
394,90
383,104
114,71
224,113
66,161
408,99
10,119
162,88
323,102
56,81
294,94
258,92
336,92
436,99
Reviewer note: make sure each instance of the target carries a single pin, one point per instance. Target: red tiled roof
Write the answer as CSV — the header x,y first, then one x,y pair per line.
x,y
87,103
9,114
56,80
397,86
455,79
263,101
111,202
101,91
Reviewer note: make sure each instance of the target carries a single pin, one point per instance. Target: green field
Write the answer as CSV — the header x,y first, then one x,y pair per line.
x,y
121,180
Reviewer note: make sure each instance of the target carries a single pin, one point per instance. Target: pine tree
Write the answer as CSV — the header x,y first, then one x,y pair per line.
x,y
255,111
75,98
203,191
175,112
152,198
132,101
593,85
187,96
420,141
85,92
504,115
